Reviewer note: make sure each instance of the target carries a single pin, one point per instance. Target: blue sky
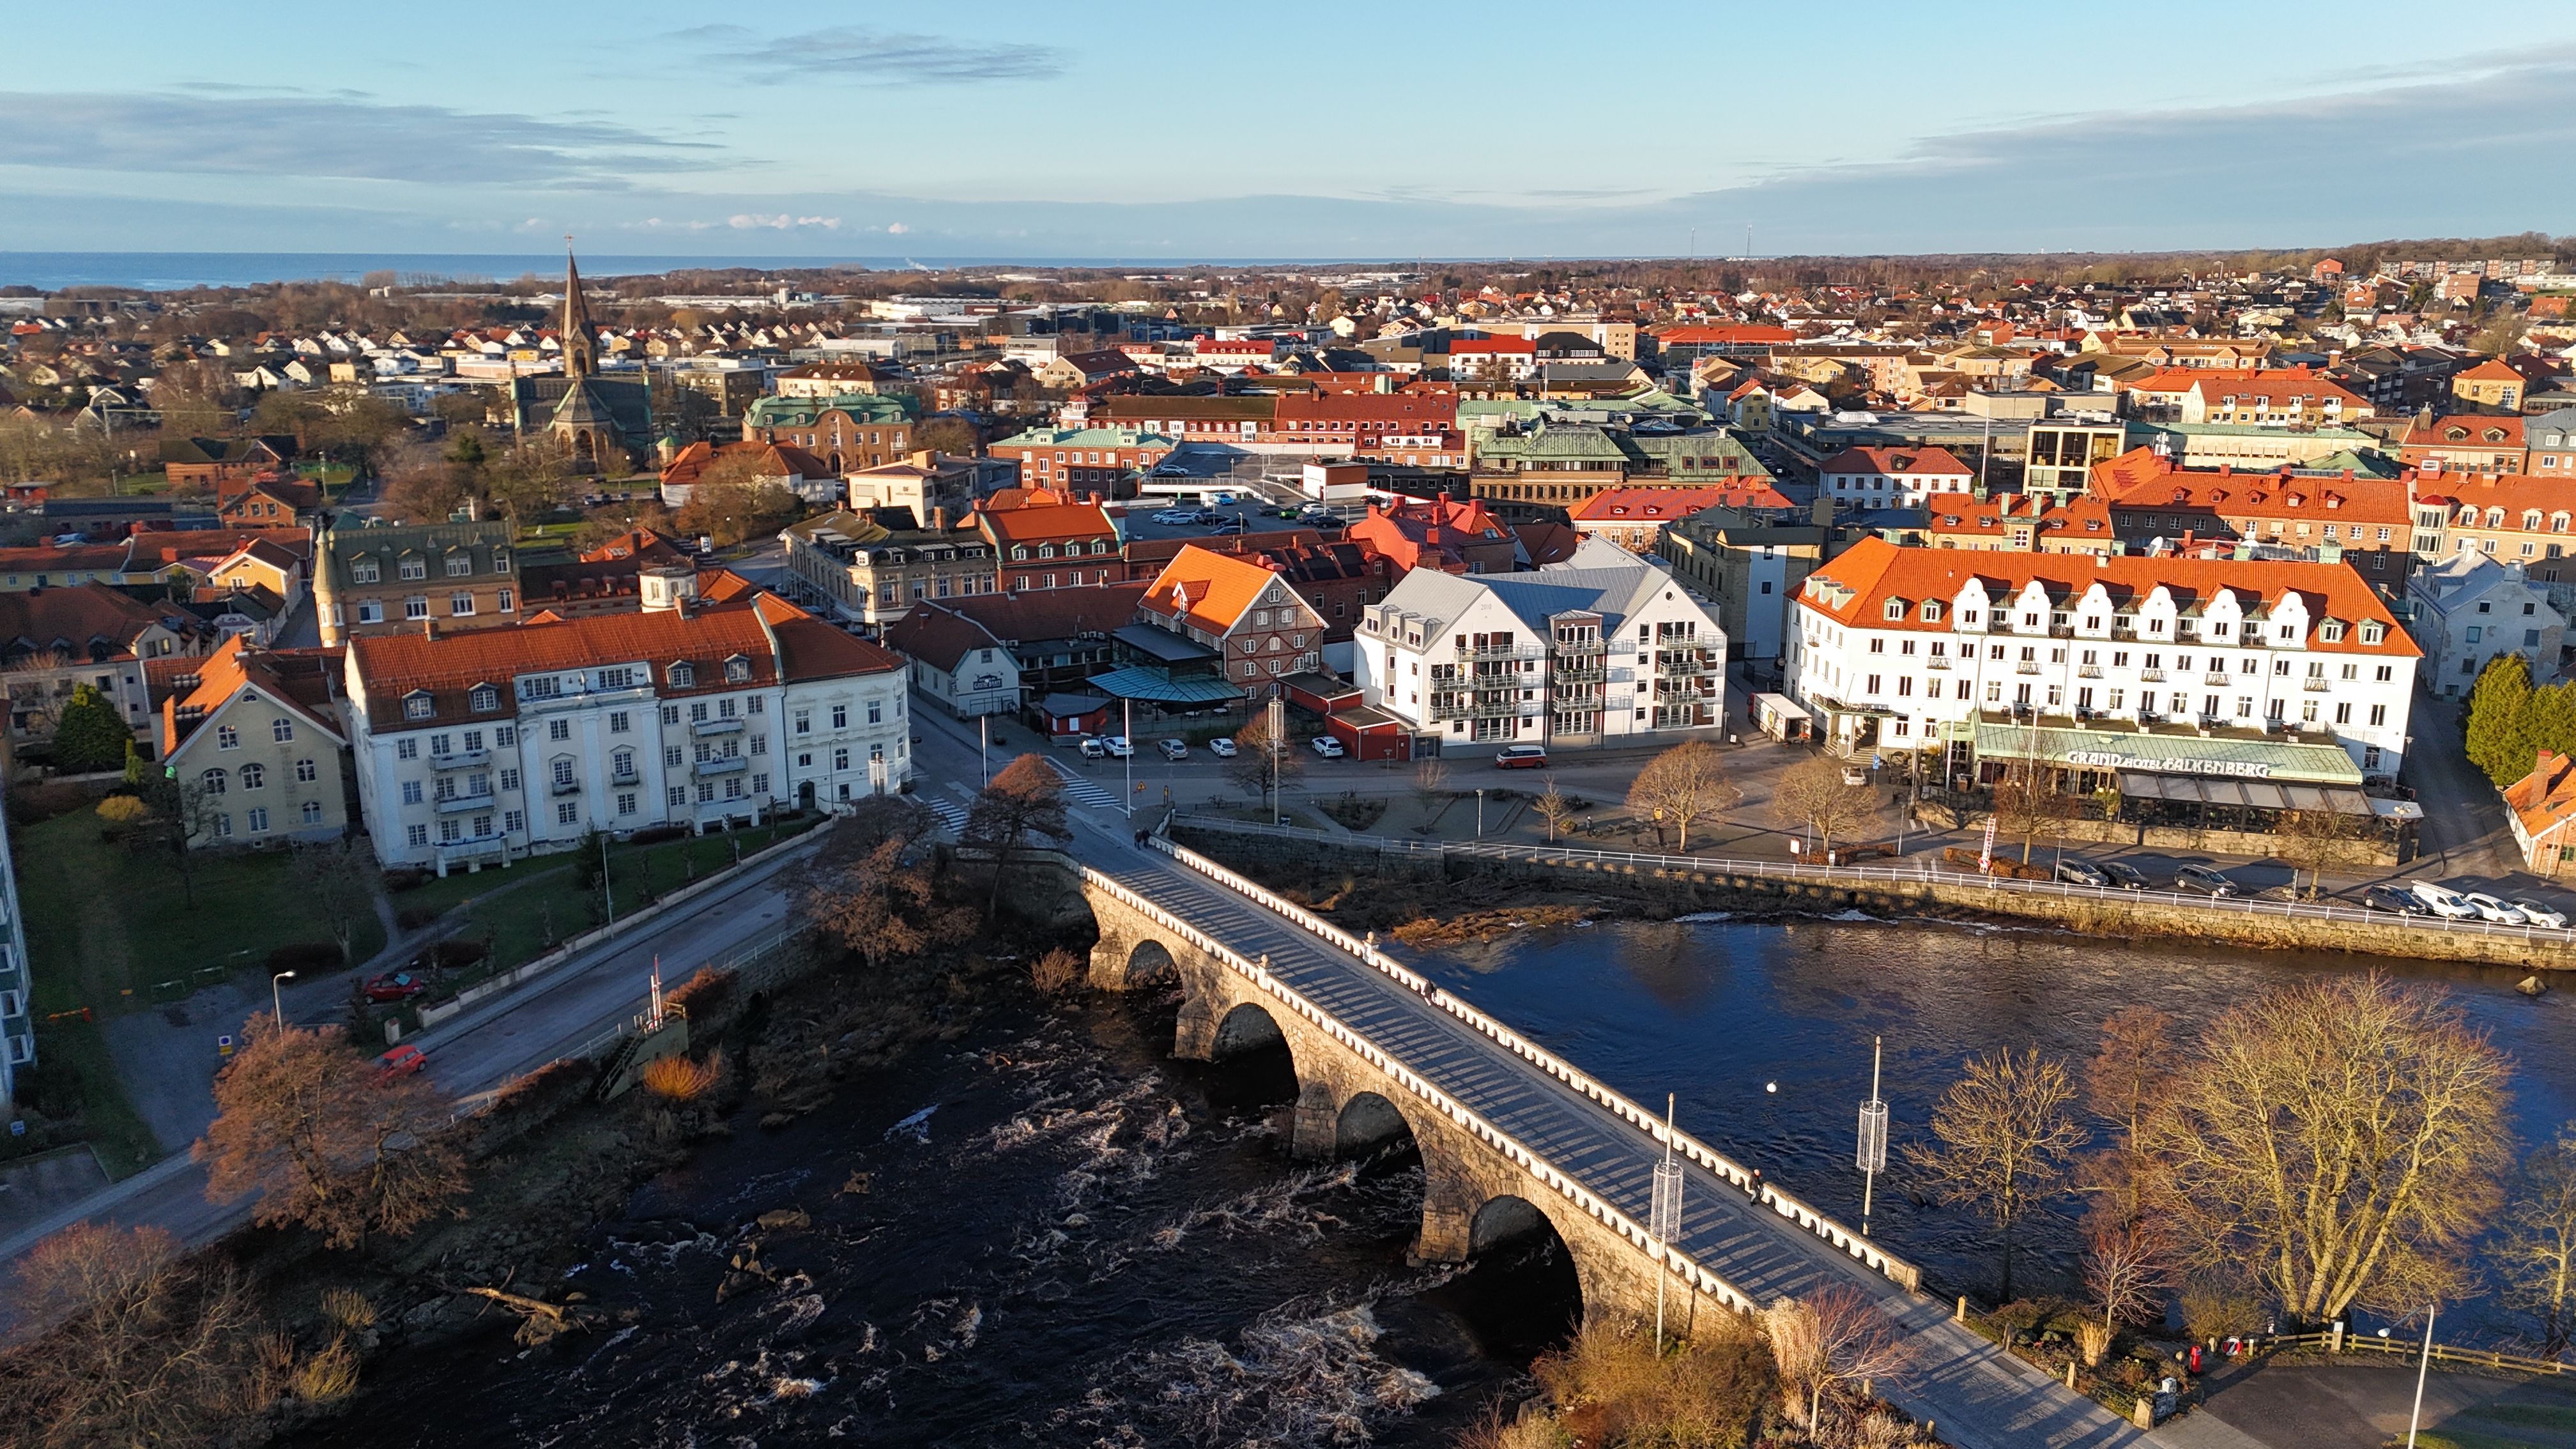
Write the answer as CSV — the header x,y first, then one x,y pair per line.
x,y
1137,130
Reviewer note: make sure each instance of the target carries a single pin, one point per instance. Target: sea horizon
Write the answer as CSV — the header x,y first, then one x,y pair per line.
x,y
178,271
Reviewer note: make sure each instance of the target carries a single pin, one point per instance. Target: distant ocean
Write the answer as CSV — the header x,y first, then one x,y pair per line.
x,y
169,271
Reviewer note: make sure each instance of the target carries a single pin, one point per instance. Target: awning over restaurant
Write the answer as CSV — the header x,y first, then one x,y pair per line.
x,y
1155,686
2243,794
2208,757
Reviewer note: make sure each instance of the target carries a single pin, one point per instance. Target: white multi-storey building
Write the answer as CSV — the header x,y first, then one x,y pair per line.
x,y
491,745
2469,609
2148,663
1602,646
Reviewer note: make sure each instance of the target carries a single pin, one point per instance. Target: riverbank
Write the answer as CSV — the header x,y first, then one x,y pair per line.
x,y
1663,888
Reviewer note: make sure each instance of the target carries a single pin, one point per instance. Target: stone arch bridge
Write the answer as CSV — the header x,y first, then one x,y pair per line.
x,y
1513,1139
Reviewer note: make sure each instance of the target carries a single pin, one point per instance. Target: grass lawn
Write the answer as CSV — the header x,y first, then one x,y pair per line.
x,y
534,905
106,926
124,1145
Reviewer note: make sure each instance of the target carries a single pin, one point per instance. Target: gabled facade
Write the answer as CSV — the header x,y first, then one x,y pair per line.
x,y
1245,611
258,735
2470,608
369,581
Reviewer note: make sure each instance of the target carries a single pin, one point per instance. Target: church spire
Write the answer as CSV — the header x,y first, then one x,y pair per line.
x,y
580,340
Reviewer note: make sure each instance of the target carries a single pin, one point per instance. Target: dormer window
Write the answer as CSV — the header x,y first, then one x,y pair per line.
x,y
2372,631
483,698
737,670
1931,611
682,675
418,705
2287,632
2331,631
1895,609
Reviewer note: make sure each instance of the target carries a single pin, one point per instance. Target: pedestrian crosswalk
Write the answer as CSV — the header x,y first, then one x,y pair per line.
x,y
952,815
1082,790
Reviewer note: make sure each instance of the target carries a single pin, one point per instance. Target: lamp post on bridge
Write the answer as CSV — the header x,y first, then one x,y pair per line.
x,y
1664,1217
1872,1156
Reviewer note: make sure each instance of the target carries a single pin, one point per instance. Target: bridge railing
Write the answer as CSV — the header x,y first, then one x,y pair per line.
x,y
1674,1260
1797,1210
1924,870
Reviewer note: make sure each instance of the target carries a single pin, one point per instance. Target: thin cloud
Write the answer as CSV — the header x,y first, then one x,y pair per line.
x,y
849,52
326,136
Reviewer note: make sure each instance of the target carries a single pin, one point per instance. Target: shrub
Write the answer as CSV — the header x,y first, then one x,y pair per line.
x,y
407,877
678,1079
702,995
412,918
1058,971
122,809
303,956
348,1309
1617,1390
458,952
656,834
328,1376
38,803
2092,1339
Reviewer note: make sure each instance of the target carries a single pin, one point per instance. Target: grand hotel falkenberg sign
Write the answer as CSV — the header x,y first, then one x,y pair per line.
x,y
2105,759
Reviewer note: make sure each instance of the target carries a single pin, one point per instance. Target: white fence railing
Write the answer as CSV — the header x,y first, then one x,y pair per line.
x,y
1771,1195
1458,1113
1921,869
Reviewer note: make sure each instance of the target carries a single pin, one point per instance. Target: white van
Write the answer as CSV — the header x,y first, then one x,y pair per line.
x,y
2441,901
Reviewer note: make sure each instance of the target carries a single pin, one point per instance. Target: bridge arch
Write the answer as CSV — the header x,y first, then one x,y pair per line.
x,y
1248,1027
1367,1120
1148,962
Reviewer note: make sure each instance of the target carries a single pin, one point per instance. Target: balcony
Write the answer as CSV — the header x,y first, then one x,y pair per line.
x,y
1937,661
1686,661
2088,671
2027,666
2152,676
706,727
721,765
625,777
481,847
2218,676
1573,671
1499,651
564,787
460,804
459,759
1449,707
2315,682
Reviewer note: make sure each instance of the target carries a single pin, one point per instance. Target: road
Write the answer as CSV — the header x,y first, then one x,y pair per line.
x,y
495,1040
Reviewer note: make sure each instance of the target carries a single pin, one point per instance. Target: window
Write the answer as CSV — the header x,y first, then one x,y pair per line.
x,y
840,716
755,705
760,744
563,771
459,605
671,758
305,772
2379,714
677,796
509,779
626,802
724,708
258,819
622,763
406,749
254,777
310,812
366,571
698,712
411,792
670,714
416,836
416,607
568,813
618,722
514,820
501,600
483,697
683,676
281,729
737,670
876,711
370,611
459,565
804,722
415,568
505,736
841,759
501,563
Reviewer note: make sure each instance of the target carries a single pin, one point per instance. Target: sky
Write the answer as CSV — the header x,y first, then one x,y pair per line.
x,y
1329,130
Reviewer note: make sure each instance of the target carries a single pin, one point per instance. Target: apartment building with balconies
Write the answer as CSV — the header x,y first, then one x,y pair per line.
x,y
1603,647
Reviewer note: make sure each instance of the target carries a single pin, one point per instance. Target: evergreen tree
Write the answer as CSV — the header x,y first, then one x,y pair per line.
x,y
90,735
2549,720
2495,718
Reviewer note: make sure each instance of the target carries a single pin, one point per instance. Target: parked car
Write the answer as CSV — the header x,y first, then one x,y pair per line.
x,y
2540,915
1221,747
1207,515
2491,909
395,986
1521,757
2205,880
402,1061
1221,499
1093,749
1177,516
1173,749
2442,901
2124,875
2083,872
1117,746
1328,747
2394,901
1227,529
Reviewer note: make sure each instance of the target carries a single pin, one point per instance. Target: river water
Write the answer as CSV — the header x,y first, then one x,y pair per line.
x,y
1051,1234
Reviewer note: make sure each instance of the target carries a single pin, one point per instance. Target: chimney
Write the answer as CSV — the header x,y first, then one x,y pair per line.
x,y
939,518
429,628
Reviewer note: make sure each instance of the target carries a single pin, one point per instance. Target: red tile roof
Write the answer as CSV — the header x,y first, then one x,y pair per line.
x,y
1663,505
1916,462
1208,590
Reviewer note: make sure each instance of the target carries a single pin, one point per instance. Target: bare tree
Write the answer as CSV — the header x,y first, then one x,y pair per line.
x,y
1262,763
1025,799
2537,1257
1431,785
2341,1140
2128,1269
1813,795
1555,807
1684,784
328,1144
2028,806
880,904
1829,1338
2134,1068
337,878
2317,841
146,1347
2007,1134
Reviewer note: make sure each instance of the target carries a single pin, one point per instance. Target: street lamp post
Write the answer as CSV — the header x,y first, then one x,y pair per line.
x,y
1480,812
2417,1413
984,745
607,886
1127,732
1873,1136
1664,1217
277,999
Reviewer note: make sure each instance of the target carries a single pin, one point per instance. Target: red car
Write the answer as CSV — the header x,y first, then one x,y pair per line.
x,y
395,986
1522,757
402,1061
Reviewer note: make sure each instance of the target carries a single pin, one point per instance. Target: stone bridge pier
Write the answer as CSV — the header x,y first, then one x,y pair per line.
x,y
1475,1198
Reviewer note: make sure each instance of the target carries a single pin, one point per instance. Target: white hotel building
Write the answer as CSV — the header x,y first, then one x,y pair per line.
x,y
486,746
2129,666
1604,646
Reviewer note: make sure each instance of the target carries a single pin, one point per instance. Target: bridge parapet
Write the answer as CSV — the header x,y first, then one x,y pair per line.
x,y
1452,1113
1789,1206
